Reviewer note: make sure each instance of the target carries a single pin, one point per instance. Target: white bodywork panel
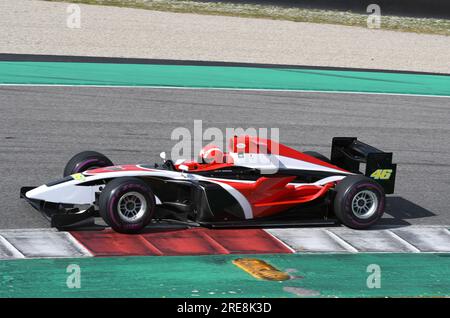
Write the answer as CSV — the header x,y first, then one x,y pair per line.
x,y
67,192
272,163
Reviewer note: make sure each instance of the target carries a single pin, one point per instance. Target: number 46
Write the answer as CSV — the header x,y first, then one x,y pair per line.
x,y
381,174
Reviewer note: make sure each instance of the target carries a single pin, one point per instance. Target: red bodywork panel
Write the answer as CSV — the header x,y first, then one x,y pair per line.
x,y
269,196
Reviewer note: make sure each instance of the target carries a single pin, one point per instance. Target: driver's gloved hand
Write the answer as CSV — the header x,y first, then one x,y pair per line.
x,y
169,165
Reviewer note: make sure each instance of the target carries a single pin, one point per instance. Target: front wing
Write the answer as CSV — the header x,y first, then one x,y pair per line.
x,y
61,216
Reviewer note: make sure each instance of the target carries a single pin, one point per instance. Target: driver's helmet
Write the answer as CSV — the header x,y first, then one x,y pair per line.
x,y
211,154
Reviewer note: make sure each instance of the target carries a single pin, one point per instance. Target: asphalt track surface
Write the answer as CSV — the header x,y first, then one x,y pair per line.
x,y
42,127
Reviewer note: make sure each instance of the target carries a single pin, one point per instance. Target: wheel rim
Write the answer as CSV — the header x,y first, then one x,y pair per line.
x,y
132,207
364,204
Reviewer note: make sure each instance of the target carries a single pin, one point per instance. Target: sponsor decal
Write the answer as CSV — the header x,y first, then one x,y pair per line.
x,y
78,177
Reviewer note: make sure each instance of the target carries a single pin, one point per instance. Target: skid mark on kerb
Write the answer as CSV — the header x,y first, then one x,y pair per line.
x,y
408,245
8,251
372,240
260,269
413,239
341,242
303,240
45,244
426,239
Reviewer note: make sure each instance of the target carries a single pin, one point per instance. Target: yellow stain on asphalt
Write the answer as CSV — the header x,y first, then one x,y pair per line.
x,y
260,269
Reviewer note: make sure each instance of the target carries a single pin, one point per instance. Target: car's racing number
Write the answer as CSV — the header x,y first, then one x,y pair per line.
x,y
381,174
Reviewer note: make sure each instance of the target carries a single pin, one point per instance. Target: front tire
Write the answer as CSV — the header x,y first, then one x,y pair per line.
x,y
127,205
86,160
359,202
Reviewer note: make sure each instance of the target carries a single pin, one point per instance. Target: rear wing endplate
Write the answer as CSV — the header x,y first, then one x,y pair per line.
x,y
349,153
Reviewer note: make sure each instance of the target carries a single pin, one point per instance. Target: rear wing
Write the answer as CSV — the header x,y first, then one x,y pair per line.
x,y
349,153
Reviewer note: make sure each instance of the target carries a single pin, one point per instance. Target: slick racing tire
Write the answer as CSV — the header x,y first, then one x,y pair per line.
x,y
127,204
86,160
317,155
359,202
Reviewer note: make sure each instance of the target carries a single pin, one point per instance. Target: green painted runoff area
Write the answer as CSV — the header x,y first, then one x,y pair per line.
x,y
230,77
314,275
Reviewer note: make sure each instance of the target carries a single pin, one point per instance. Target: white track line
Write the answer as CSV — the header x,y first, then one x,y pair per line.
x,y
226,89
281,241
341,242
411,247
79,245
15,252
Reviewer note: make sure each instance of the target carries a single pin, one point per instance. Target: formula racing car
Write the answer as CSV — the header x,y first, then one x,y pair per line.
x,y
257,182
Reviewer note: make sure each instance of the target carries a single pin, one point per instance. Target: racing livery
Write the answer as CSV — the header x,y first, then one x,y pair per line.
x,y
258,182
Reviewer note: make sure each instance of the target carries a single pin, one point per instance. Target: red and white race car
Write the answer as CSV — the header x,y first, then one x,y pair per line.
x,y
258,182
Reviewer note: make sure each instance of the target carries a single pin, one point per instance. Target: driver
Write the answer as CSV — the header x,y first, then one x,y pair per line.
x,y
209,155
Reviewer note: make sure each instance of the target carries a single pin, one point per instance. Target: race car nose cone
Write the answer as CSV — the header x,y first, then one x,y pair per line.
x,y
66,192
36,193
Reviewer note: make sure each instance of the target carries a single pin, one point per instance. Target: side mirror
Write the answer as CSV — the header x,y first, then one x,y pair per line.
x,y
163,155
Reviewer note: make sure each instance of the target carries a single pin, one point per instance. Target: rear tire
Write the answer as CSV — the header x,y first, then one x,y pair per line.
x,y
86,160
317,155
359,202
127,204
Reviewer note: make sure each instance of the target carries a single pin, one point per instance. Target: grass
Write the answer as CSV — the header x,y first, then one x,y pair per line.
x,y
405,24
